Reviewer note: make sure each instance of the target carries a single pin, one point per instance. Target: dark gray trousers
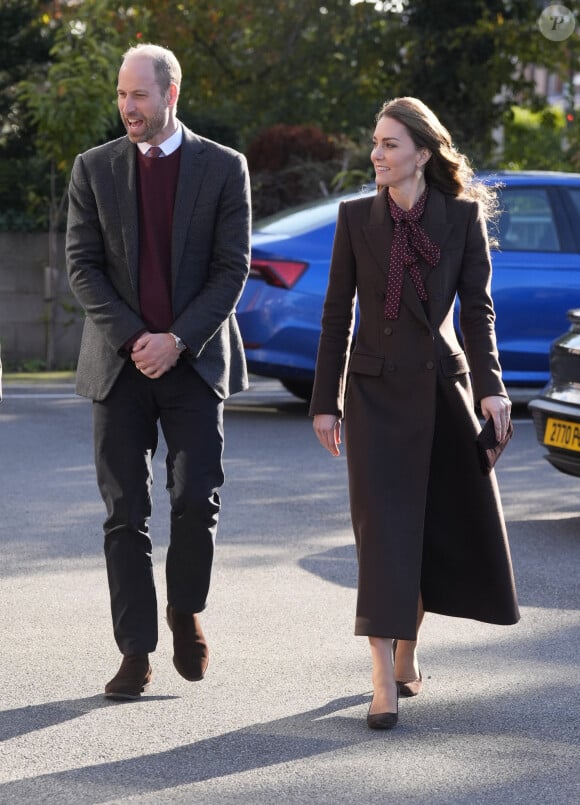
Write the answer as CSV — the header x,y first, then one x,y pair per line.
x,y
125,439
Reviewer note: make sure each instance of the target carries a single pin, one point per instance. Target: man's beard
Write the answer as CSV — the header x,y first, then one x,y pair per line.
x,y
152,126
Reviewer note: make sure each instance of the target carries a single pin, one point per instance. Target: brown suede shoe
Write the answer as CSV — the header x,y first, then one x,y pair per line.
x,y
132,678
191,654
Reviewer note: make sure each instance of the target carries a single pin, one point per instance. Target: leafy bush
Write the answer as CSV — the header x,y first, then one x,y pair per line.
x,y
534,140
301,181
278,146
22,184
291,165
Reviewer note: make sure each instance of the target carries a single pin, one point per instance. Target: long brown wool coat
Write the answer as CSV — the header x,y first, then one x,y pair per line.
x,y
424,517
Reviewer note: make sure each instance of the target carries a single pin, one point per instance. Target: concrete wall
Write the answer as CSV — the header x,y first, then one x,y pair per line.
x,y
23,306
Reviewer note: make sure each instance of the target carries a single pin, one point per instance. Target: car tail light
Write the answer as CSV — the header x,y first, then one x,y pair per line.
x,y
281,273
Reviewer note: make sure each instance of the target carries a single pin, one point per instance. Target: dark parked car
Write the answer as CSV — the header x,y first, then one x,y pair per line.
x,y
536,279
556,411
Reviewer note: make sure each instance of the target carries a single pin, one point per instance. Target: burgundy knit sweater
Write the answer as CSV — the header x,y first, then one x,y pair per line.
x,y
157,184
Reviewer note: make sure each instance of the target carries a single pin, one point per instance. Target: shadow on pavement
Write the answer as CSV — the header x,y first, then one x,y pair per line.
x,y
337,565
24,720
258,746
436,722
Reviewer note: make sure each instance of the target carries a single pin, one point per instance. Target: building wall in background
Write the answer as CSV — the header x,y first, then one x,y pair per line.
x,y
24,308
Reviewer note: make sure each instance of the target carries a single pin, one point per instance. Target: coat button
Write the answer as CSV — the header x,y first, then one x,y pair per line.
x,y
388,330
390,367
430,365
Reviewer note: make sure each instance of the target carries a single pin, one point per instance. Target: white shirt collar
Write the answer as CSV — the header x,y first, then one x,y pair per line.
x,y
168,146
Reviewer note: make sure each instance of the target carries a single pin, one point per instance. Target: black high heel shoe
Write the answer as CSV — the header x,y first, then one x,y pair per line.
x,y
412,688
383,721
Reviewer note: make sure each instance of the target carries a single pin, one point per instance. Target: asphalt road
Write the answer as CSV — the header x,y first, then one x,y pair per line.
x,y
281,713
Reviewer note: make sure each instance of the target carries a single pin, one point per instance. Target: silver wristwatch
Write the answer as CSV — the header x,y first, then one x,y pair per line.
x,y
178,342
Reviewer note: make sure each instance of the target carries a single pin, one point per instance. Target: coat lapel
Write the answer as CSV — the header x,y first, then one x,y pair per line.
x,y
378,232
436,225
124,170
434,220
192,168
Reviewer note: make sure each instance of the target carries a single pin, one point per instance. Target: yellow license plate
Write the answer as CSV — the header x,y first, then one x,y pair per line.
x,y
560,433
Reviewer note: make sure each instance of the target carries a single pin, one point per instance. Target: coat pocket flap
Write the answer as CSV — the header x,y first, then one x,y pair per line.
x,y
455,364
366,364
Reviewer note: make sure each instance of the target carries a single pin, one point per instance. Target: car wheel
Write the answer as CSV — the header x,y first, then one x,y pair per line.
x,y
299,388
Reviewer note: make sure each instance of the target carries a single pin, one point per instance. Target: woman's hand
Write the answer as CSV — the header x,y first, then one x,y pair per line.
x,y
499,409
327,429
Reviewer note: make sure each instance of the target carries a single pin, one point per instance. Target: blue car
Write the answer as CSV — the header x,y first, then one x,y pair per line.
x,y
536,280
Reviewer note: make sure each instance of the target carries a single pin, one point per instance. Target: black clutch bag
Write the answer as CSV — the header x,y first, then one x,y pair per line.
x,y
488,447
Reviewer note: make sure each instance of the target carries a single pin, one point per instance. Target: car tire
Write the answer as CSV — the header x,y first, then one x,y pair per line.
x,y
299,388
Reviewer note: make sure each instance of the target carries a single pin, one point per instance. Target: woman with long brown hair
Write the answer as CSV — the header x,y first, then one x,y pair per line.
x,y
428,524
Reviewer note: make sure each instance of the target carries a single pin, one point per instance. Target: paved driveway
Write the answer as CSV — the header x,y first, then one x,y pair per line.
x,y
280,715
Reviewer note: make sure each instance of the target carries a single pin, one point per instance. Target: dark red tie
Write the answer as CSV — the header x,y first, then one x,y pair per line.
x,y
410,241
154,152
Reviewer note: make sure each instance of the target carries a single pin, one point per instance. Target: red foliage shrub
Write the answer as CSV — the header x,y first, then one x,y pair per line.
x,y
275,147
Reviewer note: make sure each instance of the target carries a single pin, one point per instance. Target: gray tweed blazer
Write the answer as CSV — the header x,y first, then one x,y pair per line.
x,y
209,262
